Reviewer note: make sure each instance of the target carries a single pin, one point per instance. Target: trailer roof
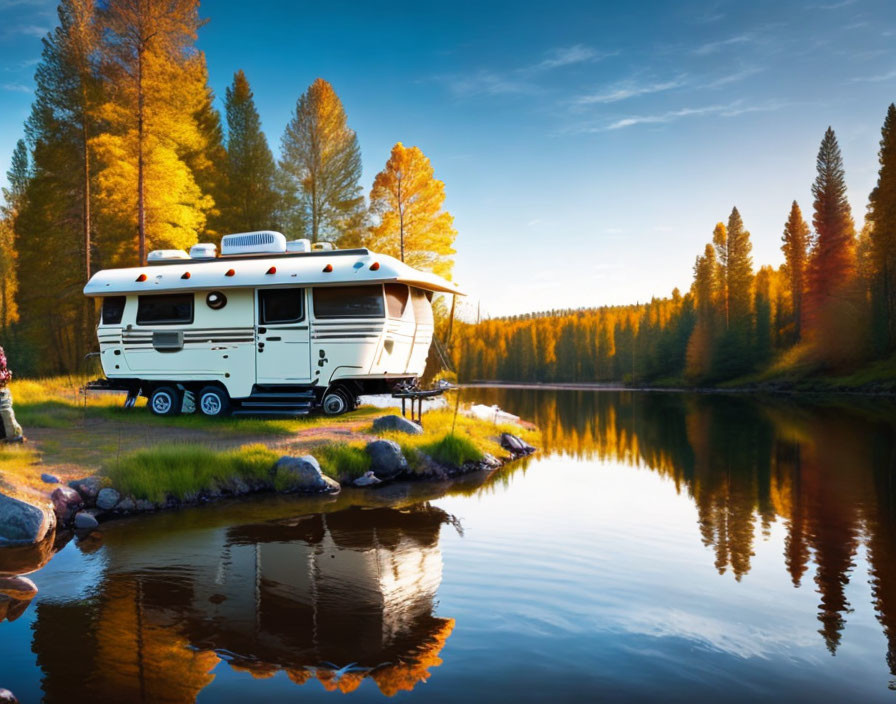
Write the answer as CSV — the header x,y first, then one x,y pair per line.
x,y
336,268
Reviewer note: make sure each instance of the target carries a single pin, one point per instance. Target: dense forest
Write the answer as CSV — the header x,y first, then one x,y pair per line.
x,y
125,152
831,307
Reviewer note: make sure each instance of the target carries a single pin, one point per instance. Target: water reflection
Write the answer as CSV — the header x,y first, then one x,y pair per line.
x,y
337,597
826,467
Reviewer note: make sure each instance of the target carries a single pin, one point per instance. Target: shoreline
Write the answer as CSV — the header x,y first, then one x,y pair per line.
x,y
773,389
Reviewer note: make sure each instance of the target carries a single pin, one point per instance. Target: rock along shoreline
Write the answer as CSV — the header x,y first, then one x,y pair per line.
x,y
84,503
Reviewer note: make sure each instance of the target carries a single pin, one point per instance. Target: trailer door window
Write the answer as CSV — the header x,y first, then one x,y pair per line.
x,y
165,309
281,305
113,309
396,299
349,302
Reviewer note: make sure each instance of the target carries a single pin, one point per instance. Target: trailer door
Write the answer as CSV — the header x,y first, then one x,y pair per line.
x,y
282,340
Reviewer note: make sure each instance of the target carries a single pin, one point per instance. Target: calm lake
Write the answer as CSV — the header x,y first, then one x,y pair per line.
x,y
668,546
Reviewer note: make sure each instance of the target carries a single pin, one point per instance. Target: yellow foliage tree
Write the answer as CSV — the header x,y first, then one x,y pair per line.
x,y
145,183
412,224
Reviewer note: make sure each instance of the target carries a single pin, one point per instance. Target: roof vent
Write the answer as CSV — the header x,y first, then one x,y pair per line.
x,y
323,247
298,246
161,254
263,242
204,250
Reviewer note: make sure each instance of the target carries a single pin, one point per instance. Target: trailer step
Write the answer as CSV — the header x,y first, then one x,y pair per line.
x,y
270,403
298,395
289,412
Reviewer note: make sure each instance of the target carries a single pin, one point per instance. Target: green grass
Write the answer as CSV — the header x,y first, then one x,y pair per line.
x,y
453,450
343,460
185,469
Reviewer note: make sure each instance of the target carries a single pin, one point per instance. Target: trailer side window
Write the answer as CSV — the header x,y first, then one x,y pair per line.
x,y
113,309
281,305
165,309
396,299
422,306
349,302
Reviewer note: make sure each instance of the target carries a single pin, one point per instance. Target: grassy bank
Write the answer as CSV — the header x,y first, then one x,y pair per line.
x,y
185,469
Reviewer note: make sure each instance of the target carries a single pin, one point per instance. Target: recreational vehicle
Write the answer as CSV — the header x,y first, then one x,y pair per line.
x,y
265,327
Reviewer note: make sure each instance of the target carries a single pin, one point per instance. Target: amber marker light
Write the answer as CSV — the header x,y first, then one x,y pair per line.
x,y
272,270
142,277
230,272
374,266
328,268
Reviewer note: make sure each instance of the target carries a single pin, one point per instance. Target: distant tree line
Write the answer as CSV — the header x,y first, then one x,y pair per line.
x,y
124,152
830,306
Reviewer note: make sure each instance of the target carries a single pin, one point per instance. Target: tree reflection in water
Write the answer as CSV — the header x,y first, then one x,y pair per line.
x,y
825,466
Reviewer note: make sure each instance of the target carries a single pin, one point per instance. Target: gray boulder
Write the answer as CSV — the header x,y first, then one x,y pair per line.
x,y
107,499
396,423
490,461
386,459
88,488
66,502
302,474
7,697
367,479
23,524
126,505
49,478
85,521
145,505
18,588
515,446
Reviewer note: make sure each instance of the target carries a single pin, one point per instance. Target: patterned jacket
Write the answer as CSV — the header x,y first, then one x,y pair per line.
x,y
5,374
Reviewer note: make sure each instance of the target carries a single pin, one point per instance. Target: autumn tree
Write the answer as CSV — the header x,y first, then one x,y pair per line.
x,y
408,203
321,160
705,288
13,201
146,184
832,263
720,244
882,219
252,199
738,270
795,245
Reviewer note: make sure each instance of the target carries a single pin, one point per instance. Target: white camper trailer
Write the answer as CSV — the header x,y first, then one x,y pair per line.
x,y
266,327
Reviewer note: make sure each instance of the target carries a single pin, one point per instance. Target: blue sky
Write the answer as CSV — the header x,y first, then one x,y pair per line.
x,y
588,149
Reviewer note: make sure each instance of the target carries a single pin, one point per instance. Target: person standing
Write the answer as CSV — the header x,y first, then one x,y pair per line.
x,y
10,430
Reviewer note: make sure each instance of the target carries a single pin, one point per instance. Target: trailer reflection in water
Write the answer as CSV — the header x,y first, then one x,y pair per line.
x,y
337,597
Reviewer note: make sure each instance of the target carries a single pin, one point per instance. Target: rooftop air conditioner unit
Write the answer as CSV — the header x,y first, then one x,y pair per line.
x,y
262,242
203,250
298,246
162,254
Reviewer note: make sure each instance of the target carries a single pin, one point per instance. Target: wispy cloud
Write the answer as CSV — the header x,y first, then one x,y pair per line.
x,y
721,110
522,80
25,30
21,65
17,87
485,82
628,89
8,4
716,46
878,78
832,5
734,77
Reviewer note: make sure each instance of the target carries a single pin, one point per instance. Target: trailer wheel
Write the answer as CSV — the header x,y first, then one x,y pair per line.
x,y
165,401
336,402
214,402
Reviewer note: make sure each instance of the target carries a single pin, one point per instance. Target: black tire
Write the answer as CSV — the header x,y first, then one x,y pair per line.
x,y
336,402
165,401
214,402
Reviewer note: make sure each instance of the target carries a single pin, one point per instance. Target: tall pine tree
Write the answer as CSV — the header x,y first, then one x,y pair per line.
x,y
832,263
882,219
795,245
321,159
738,271
252,199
